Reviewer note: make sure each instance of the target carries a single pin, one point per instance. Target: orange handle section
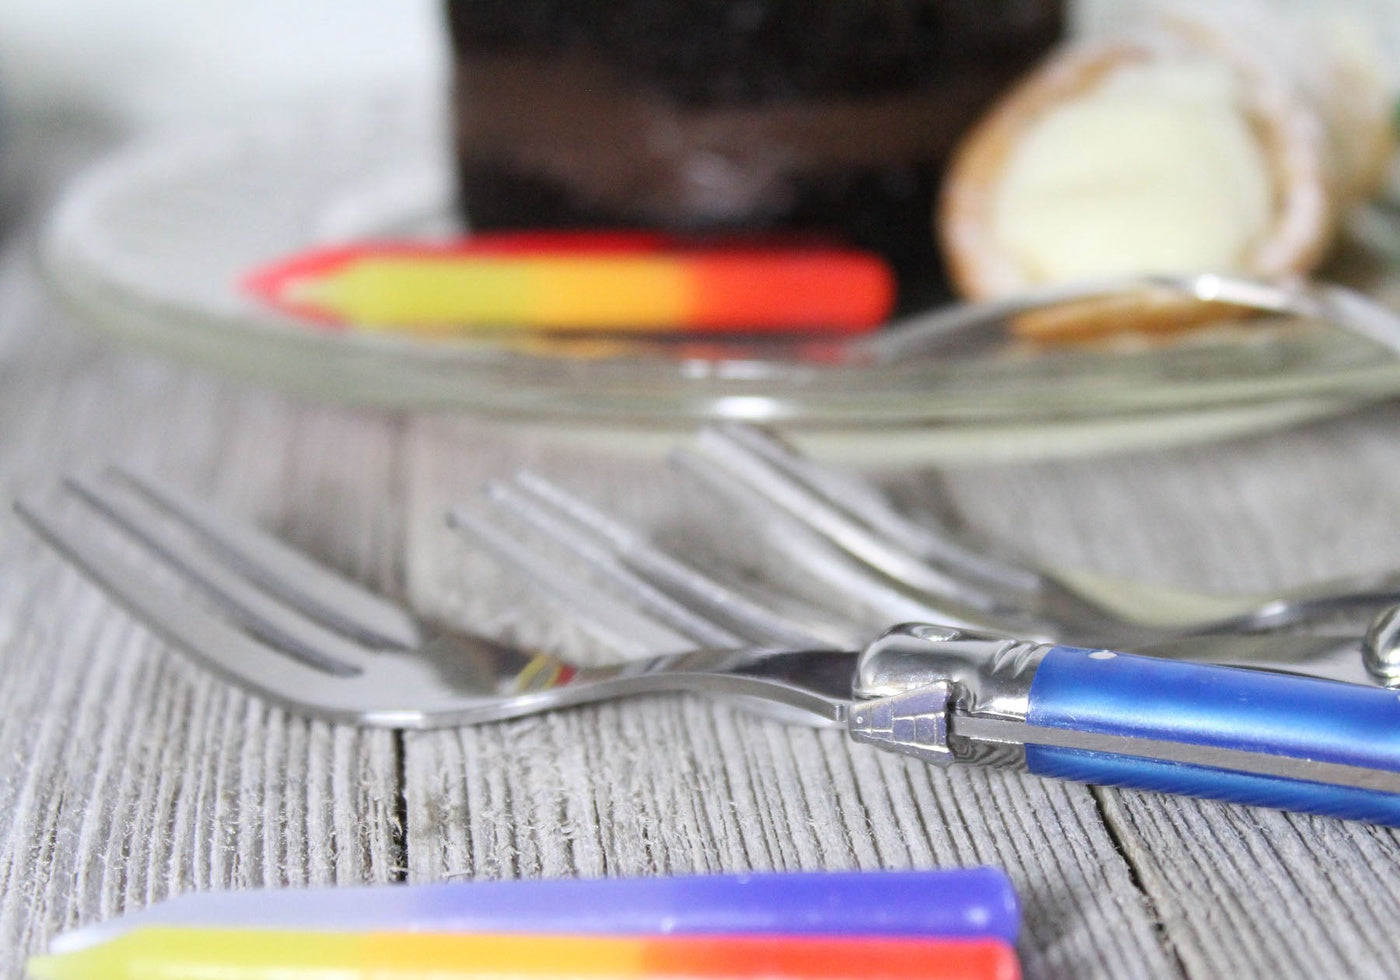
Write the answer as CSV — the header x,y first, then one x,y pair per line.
x,y
639,283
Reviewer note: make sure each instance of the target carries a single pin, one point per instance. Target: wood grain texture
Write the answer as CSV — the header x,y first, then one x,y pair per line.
x,y
1238,891
661,785
125,774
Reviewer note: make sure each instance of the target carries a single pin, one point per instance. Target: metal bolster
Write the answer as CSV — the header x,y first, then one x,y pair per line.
x,y
918,679
914,723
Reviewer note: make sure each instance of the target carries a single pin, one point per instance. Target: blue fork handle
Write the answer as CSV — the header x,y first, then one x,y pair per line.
x,y
1244,726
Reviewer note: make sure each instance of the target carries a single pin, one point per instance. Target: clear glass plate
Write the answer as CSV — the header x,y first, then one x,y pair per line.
x,y
149,246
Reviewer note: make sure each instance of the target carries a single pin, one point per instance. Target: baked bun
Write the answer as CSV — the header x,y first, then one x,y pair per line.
x,y
1188,145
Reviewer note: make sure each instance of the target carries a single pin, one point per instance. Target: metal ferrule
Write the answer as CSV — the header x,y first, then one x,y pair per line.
x,y
919,690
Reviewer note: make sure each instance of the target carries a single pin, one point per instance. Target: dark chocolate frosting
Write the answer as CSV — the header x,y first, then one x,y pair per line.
x,y
735,51
831,116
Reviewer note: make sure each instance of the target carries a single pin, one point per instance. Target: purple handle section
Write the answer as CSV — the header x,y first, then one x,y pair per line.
x,y
965,903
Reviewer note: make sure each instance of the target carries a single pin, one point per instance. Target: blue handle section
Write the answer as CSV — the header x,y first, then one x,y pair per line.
x,y
962,903
1234,708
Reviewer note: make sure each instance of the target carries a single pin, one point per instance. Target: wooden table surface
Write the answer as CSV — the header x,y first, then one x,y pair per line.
x,y
127,776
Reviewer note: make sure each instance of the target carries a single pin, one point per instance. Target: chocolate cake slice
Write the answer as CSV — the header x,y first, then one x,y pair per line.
x,y
828,116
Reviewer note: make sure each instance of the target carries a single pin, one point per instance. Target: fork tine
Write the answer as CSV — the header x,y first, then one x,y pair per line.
x,y
214,645
314,589
609,618
867,504
756,622
255,610
815,553
752,477
585,545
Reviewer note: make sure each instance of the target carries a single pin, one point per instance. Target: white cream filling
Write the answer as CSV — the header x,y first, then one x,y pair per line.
x,y
1154,171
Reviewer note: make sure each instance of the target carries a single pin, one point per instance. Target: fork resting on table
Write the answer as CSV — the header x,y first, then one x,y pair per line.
x,y
299,636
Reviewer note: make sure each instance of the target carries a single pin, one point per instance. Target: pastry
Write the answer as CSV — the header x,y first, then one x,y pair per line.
x,y
1209,143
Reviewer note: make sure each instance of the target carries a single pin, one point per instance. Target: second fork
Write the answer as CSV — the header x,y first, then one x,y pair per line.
x,y
843,530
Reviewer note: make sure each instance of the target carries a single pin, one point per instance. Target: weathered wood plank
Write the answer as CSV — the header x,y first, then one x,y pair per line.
x,y
1239,891
128,775
663,785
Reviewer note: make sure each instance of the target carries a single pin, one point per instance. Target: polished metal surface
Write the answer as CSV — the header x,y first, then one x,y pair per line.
x,y
304,638
844,532
664,602
989,673
932,333
293,633
976,675
1380,647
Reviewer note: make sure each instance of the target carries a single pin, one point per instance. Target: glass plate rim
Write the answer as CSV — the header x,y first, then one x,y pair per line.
x,y
812,396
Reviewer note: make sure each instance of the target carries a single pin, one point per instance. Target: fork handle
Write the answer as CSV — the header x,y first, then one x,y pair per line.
x,y
1261,738
1108,718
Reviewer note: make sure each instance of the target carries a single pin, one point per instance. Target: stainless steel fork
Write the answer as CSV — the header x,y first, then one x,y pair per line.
x,y
846,532
939,694
631,593
300,636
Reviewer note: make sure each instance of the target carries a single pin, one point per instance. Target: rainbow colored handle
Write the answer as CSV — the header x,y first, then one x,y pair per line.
x,y
273,954
596,281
